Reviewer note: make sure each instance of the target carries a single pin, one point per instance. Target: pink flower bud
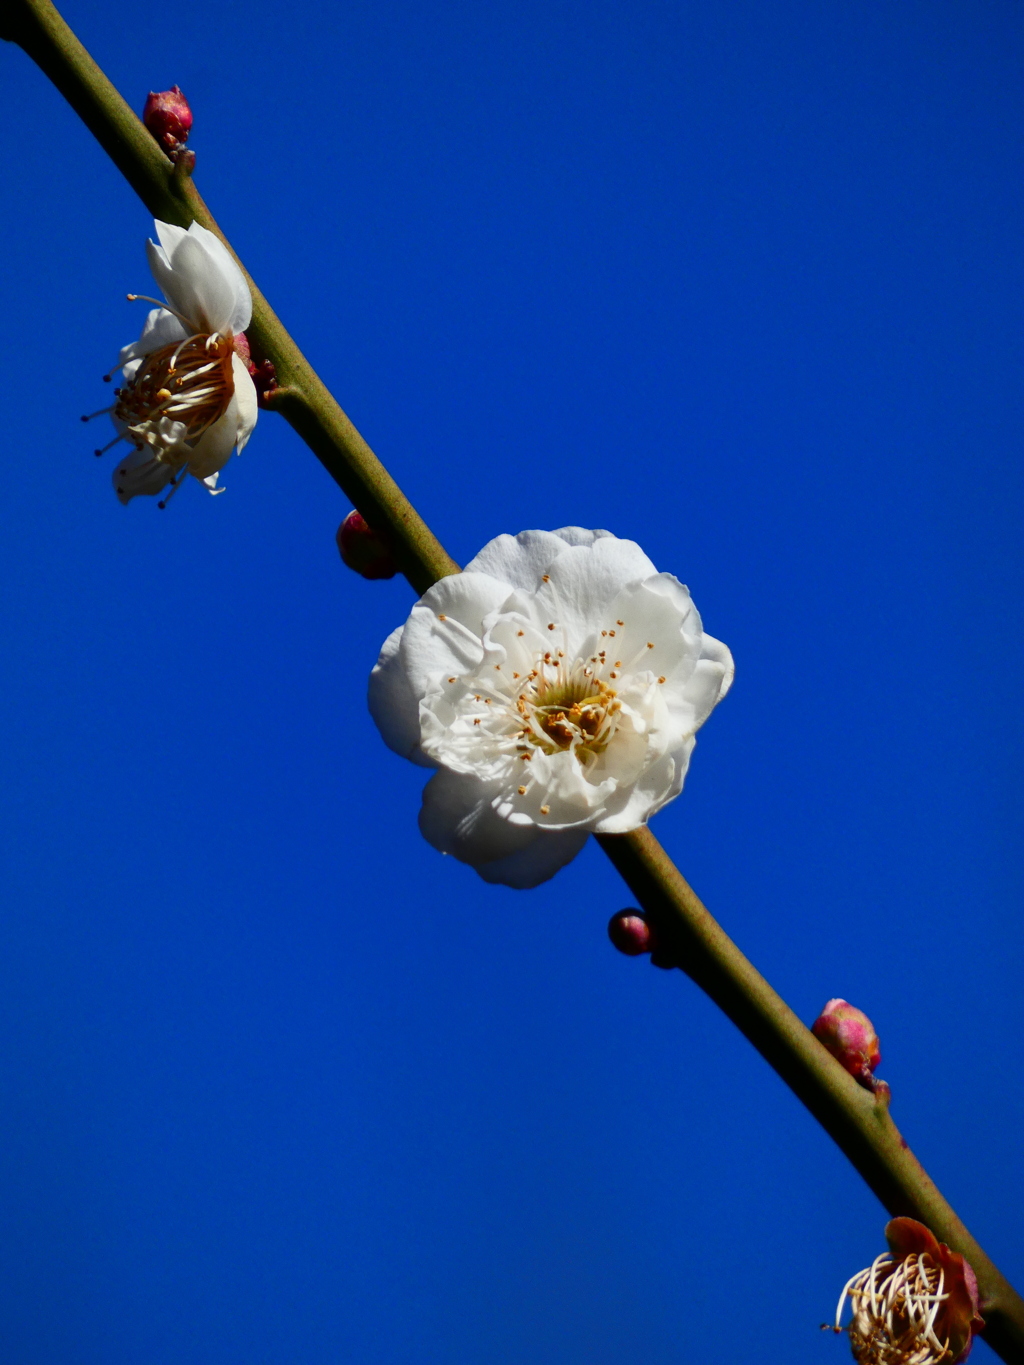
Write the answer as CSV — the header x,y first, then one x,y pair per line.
x,y
365,550
168,117
631,933
850,1036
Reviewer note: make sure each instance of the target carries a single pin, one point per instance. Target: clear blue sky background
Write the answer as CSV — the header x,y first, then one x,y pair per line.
x,y
278,1084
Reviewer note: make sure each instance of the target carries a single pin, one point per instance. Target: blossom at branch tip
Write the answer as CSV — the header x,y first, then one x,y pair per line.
x,y
187,400
556,686
916,1304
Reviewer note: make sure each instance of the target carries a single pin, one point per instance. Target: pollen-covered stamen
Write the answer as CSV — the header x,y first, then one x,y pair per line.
x,y
564,707
895,1304
191,381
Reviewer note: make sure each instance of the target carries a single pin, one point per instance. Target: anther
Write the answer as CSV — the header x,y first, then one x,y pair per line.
x,y
545,578
442,617
522,791
662,678
520,632
545,810
551,625
451,679
620,623
650,644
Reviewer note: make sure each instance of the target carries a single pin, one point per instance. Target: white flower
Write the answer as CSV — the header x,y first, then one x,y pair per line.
x,y
187,400
556,685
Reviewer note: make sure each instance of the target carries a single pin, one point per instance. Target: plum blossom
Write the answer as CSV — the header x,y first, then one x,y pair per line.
x,y
187,400
916,1304
556,686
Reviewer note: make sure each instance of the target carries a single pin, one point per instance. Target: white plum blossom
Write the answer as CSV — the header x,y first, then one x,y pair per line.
x,y
187,400
556,685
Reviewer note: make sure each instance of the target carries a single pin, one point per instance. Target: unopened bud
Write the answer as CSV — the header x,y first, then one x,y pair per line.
x,y
168,117
365,550
264,378
630,933
850,1036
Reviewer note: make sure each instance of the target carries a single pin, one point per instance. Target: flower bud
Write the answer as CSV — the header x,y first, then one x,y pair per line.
x,y
264,378
850,1036
915,1305
365,550
630,933
168,117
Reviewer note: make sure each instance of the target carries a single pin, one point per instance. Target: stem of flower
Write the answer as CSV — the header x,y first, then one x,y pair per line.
x,y
858,1121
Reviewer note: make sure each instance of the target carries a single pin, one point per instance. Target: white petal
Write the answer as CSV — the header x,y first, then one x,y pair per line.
x,y
655,788
458,817
169,235
393,705
240,315
585,582
521,560
213,449
715,652
202,282
210,485
248,405
160,329
432,647
140,473
536,863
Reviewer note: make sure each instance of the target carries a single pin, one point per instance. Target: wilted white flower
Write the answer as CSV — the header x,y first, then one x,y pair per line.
x,y
916,1304
187,400
556,685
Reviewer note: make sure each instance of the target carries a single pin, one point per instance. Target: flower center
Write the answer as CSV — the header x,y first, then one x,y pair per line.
x,y
566,708
896,1312
189,381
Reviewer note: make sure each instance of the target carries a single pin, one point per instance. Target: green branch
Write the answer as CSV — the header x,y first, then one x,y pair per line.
x,y
858,1121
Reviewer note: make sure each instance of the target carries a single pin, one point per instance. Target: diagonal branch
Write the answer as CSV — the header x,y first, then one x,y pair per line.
x,y
858,1121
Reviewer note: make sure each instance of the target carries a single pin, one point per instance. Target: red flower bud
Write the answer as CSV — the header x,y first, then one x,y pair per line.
x,y
850,1036
631,933
264,378
168,117
365,550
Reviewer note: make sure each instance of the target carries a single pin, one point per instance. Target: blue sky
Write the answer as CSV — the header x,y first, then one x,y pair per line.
x,y
742,282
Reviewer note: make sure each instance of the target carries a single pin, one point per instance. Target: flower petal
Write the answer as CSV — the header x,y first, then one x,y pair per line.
x,y
201,280
393,705
140,473
655,787
536,863
521,560
161,328
444,630
248,404
213,449
458,818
